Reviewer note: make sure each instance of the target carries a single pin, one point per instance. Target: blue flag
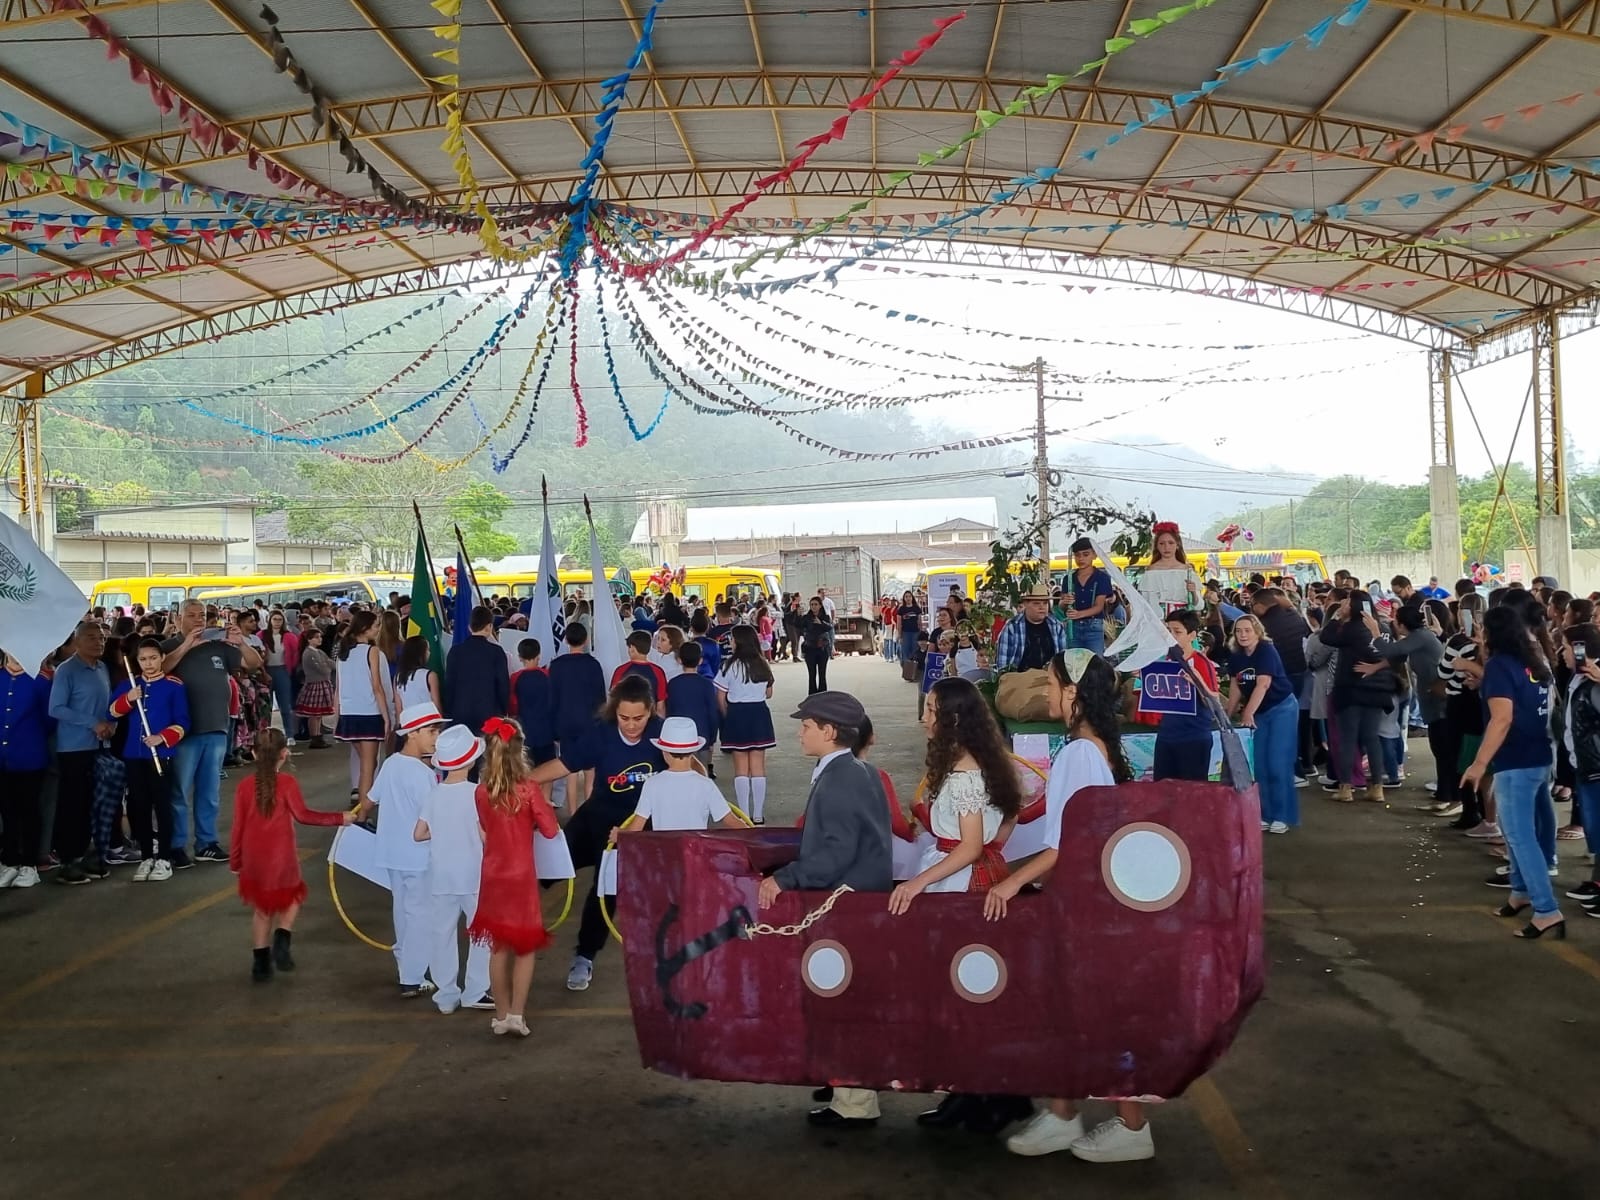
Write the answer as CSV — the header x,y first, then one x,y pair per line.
x,y
466,600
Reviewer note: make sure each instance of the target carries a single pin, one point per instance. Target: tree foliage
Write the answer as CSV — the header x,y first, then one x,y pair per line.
x,y
476,510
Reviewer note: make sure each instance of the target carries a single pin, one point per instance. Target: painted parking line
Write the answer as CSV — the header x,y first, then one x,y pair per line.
x,y
1249,1173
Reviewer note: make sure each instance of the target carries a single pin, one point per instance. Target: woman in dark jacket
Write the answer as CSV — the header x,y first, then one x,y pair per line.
x,y
816,645
24,757
1360,700
1580,735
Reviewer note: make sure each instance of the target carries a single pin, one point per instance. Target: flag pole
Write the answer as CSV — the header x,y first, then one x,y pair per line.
x,y
472,572
427,552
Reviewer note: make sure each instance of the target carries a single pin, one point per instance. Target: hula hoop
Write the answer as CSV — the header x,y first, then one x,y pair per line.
x,y
612,845
338,907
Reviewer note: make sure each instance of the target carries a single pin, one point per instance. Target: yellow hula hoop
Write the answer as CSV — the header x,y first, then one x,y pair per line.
x,y
612,845
338,907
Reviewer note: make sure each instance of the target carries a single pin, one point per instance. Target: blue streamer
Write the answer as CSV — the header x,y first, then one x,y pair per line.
x,y
499,462
611,366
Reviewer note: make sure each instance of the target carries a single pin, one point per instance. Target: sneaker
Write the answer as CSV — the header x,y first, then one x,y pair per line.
x,y
289,742
1500,879
582,972
26,877
94,866
1112,1141
181,861
1447,810
1278,827
410,991
1045,1133
161,871
211,854
1432,785
1265,825
1300,781
73,875
1584,891
484,1004
141,873
123,856
1328,782
8,876
1484,829
48,863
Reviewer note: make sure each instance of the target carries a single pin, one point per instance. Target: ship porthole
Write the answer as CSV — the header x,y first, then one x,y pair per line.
x,y
825,968
1146,866
978,974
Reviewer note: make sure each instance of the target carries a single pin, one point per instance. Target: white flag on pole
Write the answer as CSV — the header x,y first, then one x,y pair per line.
x,y
545,619
1145,638
39,605
610,639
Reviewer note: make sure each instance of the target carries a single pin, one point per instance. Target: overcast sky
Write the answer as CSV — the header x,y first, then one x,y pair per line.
x,y
1311,396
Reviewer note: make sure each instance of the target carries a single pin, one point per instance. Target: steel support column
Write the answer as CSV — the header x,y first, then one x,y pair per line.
x,y
24,415
1554,538
1444,493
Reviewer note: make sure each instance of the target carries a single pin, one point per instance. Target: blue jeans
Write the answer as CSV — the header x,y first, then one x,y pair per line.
x,y
283,693
199,765
1588,793
1277,742
1528,819
891,645
1089,633
1394,757
908,645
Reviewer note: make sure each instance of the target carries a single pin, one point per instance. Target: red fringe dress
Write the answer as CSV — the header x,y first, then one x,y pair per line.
x,y
508,917
262,852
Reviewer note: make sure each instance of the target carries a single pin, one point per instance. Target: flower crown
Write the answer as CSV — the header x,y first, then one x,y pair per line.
x,y
1161,527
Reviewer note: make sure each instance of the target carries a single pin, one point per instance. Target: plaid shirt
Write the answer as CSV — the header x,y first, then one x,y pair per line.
x,y
1014,639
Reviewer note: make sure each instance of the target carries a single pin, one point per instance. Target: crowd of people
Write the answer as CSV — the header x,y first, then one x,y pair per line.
x,y
126,731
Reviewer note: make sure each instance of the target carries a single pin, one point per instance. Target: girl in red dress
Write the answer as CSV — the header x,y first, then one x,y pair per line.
x,y
510,808
262,854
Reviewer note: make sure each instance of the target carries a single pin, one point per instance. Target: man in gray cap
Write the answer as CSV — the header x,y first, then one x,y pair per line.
x,y
845,843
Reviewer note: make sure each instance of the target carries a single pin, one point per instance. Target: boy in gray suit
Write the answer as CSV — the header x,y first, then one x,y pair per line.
x,y
846,841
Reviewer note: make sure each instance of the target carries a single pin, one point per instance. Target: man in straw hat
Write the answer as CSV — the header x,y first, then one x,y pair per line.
x,y
1033,637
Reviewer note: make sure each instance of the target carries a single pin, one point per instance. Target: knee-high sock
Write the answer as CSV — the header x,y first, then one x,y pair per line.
x,y
741,793
758,796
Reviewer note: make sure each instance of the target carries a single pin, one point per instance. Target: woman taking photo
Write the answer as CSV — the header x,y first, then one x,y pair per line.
x,y
816,645
280,650
1516,742
1265,701
1084,695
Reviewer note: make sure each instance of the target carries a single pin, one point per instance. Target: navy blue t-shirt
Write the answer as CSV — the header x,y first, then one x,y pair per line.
x,y
1265,661
1527,742
530,699
1085,593
620,768
694,696
577,693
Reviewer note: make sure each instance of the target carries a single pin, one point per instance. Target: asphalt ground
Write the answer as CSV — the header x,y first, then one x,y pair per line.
x,y
1406,1046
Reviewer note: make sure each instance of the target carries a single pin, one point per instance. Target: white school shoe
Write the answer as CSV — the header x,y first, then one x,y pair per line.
x,y
8,876
1045,1133
141,873
26,877
1278,827
161,871
1112,1141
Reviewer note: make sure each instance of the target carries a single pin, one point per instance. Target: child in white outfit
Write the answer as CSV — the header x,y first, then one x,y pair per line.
x,y
680,797
404,781
448,826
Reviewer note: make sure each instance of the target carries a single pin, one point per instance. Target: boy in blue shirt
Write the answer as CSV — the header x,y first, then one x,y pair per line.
x,y
577,694
530,703
710,648
1183,740
693,695
151,738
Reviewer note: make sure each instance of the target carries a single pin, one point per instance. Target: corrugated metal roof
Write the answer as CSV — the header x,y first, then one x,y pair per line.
x,y
124,535
835,518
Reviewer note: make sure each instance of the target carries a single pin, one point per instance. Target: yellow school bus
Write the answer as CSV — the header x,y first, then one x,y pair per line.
x,y
364,589
161,592
1232,567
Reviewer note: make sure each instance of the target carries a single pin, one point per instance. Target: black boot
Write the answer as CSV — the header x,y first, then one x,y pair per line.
x,y
991,1114
281,958
955,1109
261,968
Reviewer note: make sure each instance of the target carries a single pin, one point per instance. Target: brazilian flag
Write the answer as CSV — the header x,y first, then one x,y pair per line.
x,y
425,607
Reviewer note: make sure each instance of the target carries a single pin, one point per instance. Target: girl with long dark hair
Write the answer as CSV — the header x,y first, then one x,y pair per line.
x,y
1516,687
1359,701
363,721
816,645
280,651
414,681
1083,695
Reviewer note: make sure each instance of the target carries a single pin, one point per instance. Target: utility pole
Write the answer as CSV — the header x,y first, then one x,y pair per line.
x,y
1041,465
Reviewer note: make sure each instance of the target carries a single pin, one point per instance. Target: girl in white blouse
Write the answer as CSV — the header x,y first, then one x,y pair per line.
x,y
1168,581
